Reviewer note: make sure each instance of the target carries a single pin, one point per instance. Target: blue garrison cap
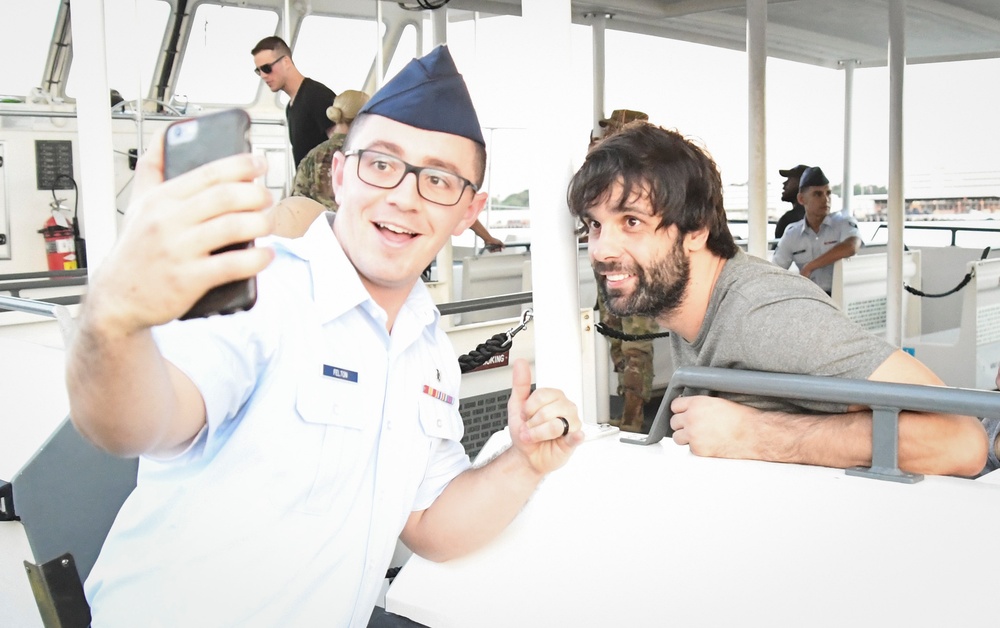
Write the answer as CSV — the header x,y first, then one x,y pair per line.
x,y
429,94
812,176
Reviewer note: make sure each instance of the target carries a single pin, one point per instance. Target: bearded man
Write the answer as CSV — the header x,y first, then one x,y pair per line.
x,y
660,246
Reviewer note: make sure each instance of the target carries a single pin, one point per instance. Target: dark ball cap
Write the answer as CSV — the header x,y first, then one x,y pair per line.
x,y
429,94
813,176
794,173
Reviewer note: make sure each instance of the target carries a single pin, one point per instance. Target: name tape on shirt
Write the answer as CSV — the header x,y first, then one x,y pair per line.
x,y
339,373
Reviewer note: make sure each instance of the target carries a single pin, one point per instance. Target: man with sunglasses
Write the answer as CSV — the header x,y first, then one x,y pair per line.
x,y
308,100
285,449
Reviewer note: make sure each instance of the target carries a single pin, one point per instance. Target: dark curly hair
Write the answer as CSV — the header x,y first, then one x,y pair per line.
x,y
682,180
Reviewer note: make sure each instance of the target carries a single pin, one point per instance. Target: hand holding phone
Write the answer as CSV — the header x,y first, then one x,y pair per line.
x,y
194,142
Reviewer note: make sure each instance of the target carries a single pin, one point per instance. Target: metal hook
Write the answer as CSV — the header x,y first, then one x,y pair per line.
x,y
526,317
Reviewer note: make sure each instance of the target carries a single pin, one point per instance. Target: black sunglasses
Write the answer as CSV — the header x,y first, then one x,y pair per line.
x,y
266,68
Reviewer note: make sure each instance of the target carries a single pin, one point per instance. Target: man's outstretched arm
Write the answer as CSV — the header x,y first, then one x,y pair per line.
x,y
929,443
123,395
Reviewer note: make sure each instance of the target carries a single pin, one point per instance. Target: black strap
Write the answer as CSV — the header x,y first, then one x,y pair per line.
x,y
614,333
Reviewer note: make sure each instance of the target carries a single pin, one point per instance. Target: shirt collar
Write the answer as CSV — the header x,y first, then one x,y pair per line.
x,y
335,282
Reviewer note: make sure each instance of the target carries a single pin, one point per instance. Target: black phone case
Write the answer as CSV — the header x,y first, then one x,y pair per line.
x,y
194,142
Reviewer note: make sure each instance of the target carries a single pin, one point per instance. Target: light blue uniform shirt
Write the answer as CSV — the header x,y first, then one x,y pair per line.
x,y
800,244
324,433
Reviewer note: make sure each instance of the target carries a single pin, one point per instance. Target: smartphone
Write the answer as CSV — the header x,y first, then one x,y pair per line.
x,y
194,142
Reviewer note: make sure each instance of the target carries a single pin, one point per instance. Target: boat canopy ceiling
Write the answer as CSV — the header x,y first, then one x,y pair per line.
x,y
820,32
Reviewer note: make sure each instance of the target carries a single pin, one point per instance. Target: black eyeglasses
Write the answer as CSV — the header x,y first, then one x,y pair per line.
x,y
385,171
265,68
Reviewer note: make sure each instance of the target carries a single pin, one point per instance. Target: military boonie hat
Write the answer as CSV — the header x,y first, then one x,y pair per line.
x,y
429,94
621,117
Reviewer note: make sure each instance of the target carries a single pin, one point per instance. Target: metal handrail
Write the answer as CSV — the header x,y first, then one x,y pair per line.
x,y
46,274
484,303
33,113
886,400
42,308
954,229
15,287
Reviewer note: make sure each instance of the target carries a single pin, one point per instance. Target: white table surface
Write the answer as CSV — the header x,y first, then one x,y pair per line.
x,y
655,536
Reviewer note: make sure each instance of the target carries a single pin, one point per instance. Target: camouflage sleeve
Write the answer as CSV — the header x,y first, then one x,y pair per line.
x,y
304,177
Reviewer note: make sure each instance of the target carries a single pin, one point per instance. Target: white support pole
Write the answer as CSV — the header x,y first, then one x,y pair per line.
x,y
97,177
598,35
439,20
847,186
555,284
379,63
896,198
602,360
757,114
445,258
286,22
140,110
290,165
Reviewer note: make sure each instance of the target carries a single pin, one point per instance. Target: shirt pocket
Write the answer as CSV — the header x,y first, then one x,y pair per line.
x,y
327,401
333,415
439,419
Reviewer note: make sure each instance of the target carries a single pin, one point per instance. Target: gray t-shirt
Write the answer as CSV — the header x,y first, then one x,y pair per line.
x,y
763,318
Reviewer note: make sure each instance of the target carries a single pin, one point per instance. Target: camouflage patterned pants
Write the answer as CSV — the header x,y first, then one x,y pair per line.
x,y
633,360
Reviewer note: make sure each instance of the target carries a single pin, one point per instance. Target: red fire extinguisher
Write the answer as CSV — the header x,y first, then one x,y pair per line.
x,y
60,245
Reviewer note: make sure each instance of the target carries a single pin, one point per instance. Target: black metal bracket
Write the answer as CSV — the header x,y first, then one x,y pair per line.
x,y
59,593
7,502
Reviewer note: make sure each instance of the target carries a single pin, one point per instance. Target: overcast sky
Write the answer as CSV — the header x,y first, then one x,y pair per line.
x,y
950,123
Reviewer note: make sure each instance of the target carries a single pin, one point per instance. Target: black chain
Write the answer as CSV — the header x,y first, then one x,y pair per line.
x,y
965,280
912,290
620,335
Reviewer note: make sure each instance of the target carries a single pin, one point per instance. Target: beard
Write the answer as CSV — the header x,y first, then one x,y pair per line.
x,y
659,289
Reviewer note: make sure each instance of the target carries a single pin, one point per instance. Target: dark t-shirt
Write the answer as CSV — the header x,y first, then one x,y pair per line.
x,y
795,214
306,115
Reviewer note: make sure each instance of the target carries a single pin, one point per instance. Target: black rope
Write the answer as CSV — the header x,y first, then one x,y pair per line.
x,y
477,357
961,284
614,333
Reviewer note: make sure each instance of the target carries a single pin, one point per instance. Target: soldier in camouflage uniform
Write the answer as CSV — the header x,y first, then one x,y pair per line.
x,y
633,360
312,178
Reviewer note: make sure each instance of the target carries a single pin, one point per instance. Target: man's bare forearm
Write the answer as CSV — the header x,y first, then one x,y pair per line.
x,y
122,392
929,443
847,248
476,506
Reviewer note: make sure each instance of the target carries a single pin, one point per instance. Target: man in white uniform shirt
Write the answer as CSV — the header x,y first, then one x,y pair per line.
x,y
821,238
285,449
